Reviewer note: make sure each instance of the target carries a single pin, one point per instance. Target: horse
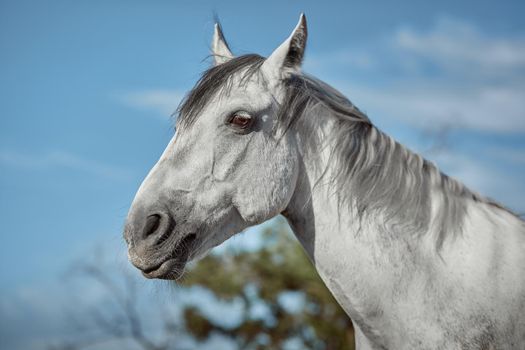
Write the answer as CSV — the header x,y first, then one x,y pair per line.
x,y
415,258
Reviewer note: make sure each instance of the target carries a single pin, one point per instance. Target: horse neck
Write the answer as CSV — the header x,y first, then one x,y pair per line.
x,y
353,181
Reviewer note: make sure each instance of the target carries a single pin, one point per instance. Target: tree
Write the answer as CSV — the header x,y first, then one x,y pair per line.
x,y
280,267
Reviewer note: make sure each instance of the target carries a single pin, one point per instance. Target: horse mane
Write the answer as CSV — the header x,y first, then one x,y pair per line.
x,y
374,173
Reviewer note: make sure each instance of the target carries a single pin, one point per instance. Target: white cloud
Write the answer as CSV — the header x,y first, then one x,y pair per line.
x,y
61,159
489,108
458,44
162,102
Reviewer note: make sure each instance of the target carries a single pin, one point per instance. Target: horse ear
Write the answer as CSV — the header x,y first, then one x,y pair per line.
x,y
219,47
288,57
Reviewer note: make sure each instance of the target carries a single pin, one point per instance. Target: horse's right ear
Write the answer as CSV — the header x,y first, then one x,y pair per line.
x,y
219,47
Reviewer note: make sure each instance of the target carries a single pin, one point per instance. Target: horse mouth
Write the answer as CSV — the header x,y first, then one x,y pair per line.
x,y
172,267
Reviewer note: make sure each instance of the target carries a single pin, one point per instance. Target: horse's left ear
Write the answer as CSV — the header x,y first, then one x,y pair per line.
x,y
219,47
288,57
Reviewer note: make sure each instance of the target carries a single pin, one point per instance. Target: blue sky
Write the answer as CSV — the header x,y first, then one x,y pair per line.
x,y
86,90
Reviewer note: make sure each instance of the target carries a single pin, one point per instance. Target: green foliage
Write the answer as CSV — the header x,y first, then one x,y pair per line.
x,y
265,275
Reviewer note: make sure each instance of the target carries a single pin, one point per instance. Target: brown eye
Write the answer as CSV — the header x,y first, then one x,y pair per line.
x,y
242,121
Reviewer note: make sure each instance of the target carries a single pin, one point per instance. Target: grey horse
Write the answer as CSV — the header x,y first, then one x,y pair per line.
x,y
417,260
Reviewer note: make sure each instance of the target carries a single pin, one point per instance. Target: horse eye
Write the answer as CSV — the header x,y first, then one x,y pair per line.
x,y
242,121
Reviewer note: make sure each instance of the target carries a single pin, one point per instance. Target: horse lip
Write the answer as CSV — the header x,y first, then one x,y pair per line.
x,y
155,268
161,270
179,256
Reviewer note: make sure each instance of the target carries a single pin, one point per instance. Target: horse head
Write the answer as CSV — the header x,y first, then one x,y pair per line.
x,y
230,165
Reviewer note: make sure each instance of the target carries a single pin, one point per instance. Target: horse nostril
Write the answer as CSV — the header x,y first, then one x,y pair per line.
x,y
158,228
152,224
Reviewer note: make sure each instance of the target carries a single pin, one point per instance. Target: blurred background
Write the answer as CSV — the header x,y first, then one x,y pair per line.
x,y
86,93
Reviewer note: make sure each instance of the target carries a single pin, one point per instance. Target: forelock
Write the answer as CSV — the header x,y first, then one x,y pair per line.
x,y
214,80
